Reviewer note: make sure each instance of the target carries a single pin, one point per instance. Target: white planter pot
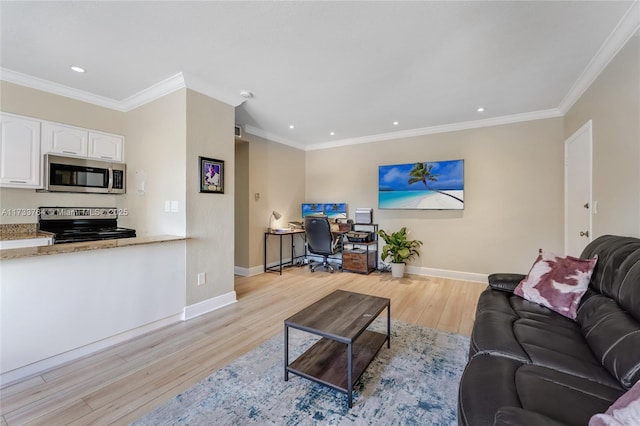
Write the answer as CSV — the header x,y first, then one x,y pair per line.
x,y
397,270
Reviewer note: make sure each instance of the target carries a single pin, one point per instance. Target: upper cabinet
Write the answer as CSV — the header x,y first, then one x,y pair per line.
x,y
105,147
76,141
19,152
66,140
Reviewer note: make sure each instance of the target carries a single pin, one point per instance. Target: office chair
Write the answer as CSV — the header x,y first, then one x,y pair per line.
x,y
321,241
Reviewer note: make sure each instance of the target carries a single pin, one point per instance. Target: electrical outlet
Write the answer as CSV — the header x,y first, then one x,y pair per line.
x,y
202,278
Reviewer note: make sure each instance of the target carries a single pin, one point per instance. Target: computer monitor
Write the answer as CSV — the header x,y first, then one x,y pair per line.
x,y
311,208
335,210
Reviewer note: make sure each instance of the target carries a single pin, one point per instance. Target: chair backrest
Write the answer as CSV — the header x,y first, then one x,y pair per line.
x,y
319,237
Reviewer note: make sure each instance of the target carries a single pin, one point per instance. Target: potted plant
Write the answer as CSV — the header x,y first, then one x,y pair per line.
x,y
399,249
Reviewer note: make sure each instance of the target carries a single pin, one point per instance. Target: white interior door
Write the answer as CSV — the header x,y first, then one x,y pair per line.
x,y
578,200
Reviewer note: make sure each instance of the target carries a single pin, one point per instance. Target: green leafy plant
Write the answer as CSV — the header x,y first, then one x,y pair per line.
x,y
398,247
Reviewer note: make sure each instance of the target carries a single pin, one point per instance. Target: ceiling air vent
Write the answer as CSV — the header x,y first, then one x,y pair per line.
x,y
238,131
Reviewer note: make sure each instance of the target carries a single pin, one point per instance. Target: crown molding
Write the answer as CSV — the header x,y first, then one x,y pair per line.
x,y
158,90
446,128
59,89
272,137
626,28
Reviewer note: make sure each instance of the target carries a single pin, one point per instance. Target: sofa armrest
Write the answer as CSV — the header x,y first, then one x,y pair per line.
x,y
505,282
513,416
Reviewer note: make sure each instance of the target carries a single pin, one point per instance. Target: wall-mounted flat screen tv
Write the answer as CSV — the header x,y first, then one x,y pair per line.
x,y
335,210
433,185
312,208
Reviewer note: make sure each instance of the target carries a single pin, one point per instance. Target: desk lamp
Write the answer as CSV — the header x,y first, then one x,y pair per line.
x,y
272,215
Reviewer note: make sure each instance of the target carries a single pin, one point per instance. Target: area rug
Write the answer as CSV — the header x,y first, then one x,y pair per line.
x,y
415,382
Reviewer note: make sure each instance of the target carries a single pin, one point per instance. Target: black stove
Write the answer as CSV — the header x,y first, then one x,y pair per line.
x,y
76,224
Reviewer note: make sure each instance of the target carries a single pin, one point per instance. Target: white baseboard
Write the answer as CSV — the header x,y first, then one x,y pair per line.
x,y
445,273
248,272
209,305
57,360
416,270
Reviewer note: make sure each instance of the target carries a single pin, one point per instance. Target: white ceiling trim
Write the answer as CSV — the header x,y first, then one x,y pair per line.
x,y
59,89
158,90
272,137
497,121
626,28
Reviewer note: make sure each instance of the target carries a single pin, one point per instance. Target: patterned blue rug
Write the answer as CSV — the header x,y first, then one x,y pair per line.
x,y
413,383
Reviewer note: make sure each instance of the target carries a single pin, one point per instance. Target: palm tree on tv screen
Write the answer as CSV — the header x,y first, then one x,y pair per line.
x,y
422,172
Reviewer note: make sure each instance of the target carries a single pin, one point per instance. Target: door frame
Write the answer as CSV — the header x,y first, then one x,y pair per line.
x,y
588,129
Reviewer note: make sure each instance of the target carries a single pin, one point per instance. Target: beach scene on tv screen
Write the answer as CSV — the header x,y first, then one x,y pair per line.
x,y
335,210
312,208
436,185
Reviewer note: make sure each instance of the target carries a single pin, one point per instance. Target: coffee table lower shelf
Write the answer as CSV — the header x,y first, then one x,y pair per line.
x,y
327,361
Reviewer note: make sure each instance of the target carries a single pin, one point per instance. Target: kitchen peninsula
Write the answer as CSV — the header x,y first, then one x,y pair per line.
x,y
63,301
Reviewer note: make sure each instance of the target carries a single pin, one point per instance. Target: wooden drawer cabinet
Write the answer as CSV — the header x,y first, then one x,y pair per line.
x,y
359,260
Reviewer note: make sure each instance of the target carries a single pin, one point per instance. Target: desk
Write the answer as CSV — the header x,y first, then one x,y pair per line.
x,y
278,267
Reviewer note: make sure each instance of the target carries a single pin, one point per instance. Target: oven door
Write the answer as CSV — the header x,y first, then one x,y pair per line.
x,y
65,174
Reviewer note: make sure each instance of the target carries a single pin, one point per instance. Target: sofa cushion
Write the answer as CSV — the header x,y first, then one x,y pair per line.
x,y
629,288
563,397
487,384
614,337
557,282
492,384
613,252
562,349
511,327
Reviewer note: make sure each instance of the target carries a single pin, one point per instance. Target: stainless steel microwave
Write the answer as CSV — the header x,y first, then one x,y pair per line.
x,y
68,174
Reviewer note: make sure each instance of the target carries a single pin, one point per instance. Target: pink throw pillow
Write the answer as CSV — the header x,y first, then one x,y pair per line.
x,y
624,412
557,282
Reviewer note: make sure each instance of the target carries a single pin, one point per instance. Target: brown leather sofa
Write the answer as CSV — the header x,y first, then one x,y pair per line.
x,y
531,366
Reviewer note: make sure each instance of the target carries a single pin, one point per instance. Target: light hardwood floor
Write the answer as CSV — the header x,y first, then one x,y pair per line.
x,y
122,383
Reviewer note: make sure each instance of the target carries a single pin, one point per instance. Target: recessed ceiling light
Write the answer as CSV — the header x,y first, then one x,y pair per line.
x,y
291,126
480,109
395,123
77,69
332,133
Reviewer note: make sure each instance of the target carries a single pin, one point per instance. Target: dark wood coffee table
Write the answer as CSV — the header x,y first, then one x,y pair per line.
x,y
346,348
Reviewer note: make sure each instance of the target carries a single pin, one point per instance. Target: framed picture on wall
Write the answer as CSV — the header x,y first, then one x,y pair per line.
x,y
434,185
211,175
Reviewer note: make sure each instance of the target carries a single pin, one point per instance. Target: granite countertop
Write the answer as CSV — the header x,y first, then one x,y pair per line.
x,y
84,246
22,231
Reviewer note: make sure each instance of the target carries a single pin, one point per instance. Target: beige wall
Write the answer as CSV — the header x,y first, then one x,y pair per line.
x,y
46,106
612,102
513,193
210,221
241,205
277,173
155,148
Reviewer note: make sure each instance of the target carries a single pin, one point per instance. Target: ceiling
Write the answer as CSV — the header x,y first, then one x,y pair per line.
x,y
352,68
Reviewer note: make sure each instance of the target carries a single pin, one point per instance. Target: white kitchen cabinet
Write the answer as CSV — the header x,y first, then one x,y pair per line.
x,y
19,152
65,140
104,146
78,142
